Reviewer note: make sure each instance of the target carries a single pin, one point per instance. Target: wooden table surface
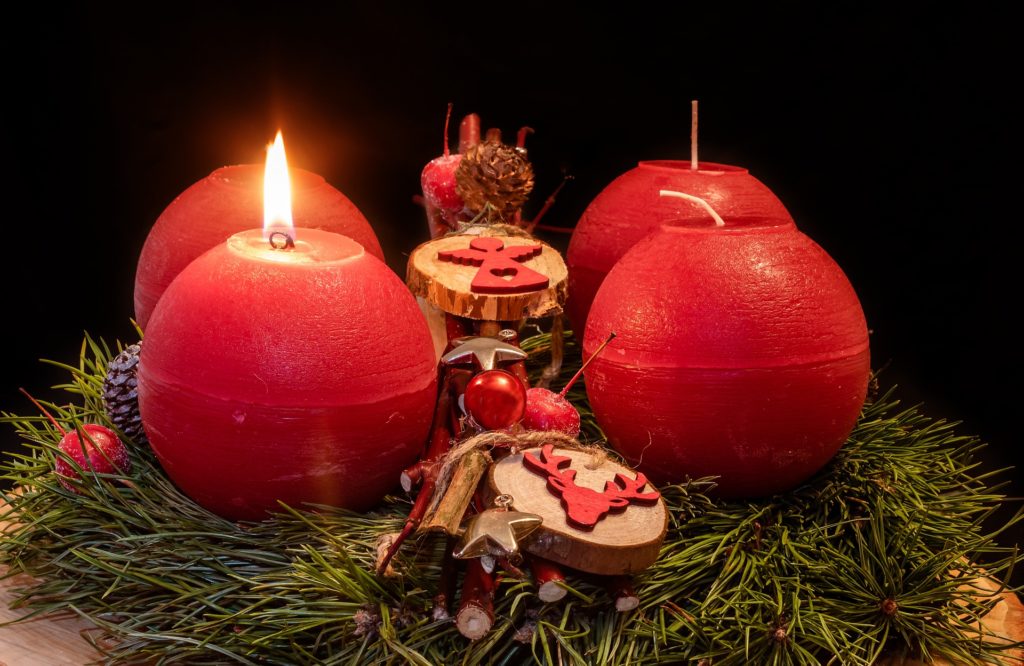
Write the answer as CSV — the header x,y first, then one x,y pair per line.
x,y
40,641
58,641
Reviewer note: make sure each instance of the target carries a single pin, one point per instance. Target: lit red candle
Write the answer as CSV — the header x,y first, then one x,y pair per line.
x,y
286,366
742,352
227,201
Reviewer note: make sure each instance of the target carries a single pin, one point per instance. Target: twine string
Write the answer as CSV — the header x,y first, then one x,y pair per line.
x,y
486,442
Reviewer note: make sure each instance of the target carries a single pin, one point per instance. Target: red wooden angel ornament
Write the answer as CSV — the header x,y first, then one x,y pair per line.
x,y
501,270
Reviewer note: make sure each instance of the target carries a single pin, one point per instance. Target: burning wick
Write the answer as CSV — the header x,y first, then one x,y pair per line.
x,y
279,240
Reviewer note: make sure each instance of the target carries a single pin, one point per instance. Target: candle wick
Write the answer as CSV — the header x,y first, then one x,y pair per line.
x,y
719,222
279,240
693,135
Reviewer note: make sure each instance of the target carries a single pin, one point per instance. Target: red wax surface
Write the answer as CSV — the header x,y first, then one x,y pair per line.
x,y
631,208
302,376
226,202
741,351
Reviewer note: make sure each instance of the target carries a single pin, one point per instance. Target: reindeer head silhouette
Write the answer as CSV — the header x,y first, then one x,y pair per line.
x,y
586,506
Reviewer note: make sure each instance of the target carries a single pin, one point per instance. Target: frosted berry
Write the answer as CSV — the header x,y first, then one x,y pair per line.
x,y
438,183
547,410
92,447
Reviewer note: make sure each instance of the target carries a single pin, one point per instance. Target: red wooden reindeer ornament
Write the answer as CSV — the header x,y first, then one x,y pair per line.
x,y
614,531
585,506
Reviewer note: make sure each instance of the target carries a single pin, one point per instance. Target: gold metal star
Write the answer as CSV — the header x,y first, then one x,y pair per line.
x,y
486,352
496,531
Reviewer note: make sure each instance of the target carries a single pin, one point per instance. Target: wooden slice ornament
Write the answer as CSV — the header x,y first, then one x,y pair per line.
x,y
485,275
617,524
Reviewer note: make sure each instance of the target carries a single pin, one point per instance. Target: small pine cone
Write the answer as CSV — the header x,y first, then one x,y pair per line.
x,y
121,393
494,173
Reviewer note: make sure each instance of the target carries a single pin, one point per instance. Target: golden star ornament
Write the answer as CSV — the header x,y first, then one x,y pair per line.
x,y
496,531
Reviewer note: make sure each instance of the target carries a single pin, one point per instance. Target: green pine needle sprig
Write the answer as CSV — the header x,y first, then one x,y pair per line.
x,y
883,552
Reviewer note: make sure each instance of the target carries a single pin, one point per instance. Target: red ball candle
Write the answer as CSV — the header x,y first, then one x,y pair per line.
x,y
630,208
302,374
742,352
228,201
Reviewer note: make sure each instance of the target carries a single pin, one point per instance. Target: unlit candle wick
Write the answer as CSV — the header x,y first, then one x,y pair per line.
x,y
719,222
693,135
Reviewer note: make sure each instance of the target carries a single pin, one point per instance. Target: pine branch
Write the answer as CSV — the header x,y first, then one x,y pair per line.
x,y
882,551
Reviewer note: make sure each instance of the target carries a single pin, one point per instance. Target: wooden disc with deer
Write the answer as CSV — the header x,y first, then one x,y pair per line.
x,y
599,516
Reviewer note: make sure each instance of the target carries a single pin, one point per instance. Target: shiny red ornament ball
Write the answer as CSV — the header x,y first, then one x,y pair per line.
x,y
92,447
227,201
438,183
742,352
495,399
630,208
547,410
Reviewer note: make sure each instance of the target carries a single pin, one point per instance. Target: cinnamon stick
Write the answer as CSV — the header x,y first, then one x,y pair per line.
x,y
449,512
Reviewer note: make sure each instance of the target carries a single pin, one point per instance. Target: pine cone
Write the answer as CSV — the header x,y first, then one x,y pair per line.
x,y
121,393
494,173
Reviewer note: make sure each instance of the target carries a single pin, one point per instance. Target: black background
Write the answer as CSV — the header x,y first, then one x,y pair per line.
x,y
889,135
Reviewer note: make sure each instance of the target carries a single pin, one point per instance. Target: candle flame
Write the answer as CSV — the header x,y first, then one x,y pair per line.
x,y
277,192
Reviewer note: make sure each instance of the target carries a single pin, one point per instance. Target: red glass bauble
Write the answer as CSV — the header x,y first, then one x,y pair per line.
x,y
495,399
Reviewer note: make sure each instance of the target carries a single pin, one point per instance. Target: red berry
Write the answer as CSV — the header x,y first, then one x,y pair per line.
x,y
547,410
438,183
495,399
99,450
